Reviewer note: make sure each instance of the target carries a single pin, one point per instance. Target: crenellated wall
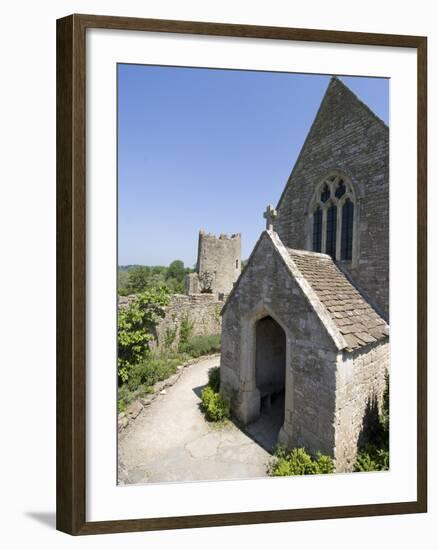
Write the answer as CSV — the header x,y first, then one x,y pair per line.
x,y
218,265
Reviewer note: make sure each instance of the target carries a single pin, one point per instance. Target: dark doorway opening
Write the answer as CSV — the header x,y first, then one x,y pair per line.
x,y
270,372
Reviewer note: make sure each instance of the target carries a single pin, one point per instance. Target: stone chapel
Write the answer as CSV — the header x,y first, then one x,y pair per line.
x,y
307,319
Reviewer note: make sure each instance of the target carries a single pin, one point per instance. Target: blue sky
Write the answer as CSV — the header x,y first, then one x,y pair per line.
x,y
208,148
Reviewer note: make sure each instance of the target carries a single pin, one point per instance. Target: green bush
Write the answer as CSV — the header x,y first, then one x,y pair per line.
x,y
299,462
214,378
169,337
185,334
374,456
384,415
153,369
144,375
214,405
372,459
136,326
197,346
126,396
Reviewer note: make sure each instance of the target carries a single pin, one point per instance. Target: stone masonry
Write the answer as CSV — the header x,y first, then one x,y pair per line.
x,y
360,381
335,350
347,138
313,325
202,311
218,265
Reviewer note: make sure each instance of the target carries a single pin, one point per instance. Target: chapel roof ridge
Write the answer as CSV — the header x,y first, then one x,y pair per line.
x,y
301,252
335,81
348,317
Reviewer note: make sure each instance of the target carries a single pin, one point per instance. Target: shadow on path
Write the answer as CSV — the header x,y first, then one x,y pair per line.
x,y
198,390
264,431
171,441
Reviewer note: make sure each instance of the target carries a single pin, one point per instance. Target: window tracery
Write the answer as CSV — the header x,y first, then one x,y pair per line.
x,y
333,217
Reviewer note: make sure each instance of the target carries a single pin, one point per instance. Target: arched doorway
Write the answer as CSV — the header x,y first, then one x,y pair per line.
x,y
270,375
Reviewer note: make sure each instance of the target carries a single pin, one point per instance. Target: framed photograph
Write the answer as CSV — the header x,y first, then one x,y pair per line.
x,y
241,274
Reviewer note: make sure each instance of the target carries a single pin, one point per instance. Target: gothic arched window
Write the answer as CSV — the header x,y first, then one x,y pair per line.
x,y
317,229
347,230
330,241
325,195
340,189
333,218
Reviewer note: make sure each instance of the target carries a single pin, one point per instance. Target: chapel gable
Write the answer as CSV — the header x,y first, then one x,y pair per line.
x,y
336,200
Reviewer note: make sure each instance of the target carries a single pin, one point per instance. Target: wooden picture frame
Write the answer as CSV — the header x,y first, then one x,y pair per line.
x,y
71,273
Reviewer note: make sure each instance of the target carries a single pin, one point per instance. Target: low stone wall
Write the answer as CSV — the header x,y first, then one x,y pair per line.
x,y
201,311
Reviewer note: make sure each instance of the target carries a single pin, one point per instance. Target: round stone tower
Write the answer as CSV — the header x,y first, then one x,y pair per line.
x,y
218,265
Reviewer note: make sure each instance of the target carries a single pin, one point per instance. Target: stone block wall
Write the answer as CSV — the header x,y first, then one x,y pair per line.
x,y
348,138
219,261
192,284
360,384
267,289
201,310
310,409
328,393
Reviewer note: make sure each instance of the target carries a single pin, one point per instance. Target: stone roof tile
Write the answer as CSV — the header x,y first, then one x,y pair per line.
x,y
355,318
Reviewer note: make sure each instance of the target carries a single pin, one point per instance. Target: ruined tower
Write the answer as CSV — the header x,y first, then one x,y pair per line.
x,y
218,265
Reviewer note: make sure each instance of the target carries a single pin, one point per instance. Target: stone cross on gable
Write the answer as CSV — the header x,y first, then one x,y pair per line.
x,y
270,214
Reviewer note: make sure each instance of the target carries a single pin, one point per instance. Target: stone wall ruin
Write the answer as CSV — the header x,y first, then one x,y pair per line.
x,y
218,266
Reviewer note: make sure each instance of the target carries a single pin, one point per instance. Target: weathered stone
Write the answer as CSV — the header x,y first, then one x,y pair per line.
x,y
218,266
345,138
303,322
201,311
145,401
134,409
172,379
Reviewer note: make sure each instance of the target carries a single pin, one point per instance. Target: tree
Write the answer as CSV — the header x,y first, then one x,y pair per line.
x,y
122,282
175,286
139,278
176,271
136,328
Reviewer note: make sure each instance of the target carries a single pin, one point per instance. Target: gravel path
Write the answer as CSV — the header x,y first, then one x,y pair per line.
x,y
170,440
